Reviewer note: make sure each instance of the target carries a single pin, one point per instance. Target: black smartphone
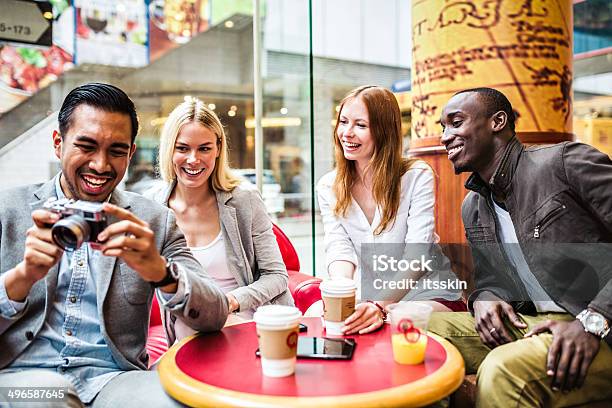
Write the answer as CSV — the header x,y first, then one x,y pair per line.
x,y
324,348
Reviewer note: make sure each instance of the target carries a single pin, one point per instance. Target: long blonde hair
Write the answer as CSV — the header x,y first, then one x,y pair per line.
x,y
194,110
386,164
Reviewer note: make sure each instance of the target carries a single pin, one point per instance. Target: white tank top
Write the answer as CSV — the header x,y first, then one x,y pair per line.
x,y
213,259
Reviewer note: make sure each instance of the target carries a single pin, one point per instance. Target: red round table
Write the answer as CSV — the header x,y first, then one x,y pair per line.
x,y
221,369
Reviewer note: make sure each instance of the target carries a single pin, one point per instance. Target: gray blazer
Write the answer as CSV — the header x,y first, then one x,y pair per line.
x,y
124,297
250,246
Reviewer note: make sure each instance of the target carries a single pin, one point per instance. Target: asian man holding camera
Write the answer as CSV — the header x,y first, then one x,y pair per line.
x,y
75,315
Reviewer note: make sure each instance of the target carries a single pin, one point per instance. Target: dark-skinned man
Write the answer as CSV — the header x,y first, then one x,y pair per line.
x,y
538,334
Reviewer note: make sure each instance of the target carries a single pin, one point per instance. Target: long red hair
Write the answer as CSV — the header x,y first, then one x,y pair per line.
x,y
386,164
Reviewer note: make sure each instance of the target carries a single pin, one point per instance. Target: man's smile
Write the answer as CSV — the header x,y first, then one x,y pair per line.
x,y
94,184
454,151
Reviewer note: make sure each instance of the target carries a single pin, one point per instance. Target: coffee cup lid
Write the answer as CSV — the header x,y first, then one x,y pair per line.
x,y
277,315
338,286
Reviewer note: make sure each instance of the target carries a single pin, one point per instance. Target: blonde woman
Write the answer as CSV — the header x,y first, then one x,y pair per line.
x,y
374,195
224,220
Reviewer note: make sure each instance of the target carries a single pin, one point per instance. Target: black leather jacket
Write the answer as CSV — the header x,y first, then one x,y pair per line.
x,y
560,200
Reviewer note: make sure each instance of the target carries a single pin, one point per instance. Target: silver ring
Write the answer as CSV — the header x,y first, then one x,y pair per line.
x,y
492,330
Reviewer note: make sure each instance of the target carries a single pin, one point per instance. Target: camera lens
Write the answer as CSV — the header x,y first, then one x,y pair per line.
x,y
70,232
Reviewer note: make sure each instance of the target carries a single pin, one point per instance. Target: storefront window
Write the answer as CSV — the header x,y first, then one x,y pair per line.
x,y
161,51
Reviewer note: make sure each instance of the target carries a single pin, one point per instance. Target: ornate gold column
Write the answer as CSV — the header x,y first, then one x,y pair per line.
x,y
521,47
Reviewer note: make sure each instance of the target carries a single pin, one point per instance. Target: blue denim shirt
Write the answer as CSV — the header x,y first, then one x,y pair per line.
x,y
70,342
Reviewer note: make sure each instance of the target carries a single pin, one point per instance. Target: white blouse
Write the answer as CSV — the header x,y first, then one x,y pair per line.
x,y
414,222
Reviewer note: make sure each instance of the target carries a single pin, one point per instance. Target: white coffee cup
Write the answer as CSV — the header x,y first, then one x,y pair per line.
x,y
277,332
338,303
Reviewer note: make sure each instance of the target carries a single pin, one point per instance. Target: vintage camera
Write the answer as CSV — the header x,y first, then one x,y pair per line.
x,y
81,222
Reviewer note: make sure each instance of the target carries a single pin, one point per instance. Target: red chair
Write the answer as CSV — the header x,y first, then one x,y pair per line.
x,y
304,289
156,340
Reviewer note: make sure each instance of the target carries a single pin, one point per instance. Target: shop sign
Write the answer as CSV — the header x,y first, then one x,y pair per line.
x,y
27,22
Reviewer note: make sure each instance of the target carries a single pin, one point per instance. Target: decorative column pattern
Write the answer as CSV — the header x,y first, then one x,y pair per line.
x,y
521,47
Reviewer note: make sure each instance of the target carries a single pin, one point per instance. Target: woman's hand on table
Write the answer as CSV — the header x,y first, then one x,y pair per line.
x,y
366,318
233,319
232,302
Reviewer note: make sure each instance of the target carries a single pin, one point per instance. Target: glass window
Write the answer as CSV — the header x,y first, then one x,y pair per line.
x,y
354,44
161,51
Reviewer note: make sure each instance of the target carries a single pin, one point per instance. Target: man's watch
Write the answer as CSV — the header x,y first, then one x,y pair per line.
x,y
594,323
172,275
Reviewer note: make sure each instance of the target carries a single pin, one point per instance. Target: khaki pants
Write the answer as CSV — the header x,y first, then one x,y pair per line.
x,y
514,374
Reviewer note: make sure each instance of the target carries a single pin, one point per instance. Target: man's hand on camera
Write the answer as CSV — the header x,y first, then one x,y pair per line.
x,y
40,255
132,240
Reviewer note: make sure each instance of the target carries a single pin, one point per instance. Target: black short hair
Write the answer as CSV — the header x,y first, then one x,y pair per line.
x,y
98,95
495,101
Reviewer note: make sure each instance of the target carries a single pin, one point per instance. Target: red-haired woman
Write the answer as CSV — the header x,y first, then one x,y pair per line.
x,y
374,195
